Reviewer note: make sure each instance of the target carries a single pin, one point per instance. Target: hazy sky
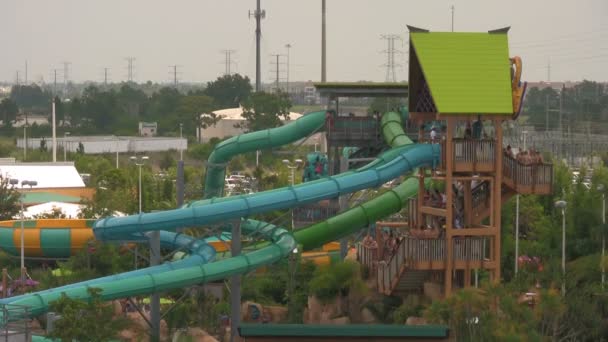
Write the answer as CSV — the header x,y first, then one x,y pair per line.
x,y
92,35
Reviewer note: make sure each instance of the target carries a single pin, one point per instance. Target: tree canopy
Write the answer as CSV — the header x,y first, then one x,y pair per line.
x,y
229,90
263,110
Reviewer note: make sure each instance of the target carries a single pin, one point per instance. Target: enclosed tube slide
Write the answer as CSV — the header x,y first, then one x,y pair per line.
x,y
224,151
282,243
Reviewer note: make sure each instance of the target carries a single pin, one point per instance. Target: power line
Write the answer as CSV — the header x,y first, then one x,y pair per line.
x,y
390,52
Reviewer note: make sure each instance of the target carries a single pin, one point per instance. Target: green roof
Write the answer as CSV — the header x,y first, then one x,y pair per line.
x,y
44,197
362,89
467,73
350,330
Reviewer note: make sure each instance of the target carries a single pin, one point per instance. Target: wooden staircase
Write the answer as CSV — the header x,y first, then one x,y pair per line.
x,y
410,266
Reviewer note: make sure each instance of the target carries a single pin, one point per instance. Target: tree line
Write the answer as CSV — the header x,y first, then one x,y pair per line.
x,y
102,110
583,107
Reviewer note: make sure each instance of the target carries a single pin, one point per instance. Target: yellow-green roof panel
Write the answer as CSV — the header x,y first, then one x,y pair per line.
x,y
467,73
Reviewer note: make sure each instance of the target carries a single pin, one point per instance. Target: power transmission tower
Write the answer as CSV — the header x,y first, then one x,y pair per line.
x,y
17,81
276,62
66,77
175,74
259,14
55,81
390,52
228,61
105,76
288,46
130,68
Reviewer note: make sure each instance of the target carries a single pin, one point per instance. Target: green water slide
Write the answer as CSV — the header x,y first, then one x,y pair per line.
x,y
405,159
273,137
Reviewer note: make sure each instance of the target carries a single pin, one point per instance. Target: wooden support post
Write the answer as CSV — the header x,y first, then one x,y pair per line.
x,y
497,197
420,200
449,218
468,204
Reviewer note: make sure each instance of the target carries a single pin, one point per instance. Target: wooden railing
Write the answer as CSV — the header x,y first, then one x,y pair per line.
x,y
474,153
408,251
368,256
353,128
527,177
470,248
412,251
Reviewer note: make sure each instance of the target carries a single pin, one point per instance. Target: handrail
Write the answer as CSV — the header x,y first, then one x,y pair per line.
x,y
473,150
412,250
352,128
368,256
530,175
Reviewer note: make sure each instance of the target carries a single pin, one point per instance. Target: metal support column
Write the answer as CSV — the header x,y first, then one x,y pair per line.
x,y
343,205
155,298
235,283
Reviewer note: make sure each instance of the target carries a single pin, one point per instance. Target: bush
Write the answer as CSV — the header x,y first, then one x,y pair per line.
x,y
336,280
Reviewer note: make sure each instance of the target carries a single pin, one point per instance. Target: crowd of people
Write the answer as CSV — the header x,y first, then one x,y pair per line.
x,y
530,157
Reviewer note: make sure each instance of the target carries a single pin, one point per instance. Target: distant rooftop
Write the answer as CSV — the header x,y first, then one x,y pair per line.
x,y
48,175
362,89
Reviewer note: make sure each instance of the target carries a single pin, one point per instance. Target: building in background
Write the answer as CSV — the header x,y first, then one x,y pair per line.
x,y
148,129
110,144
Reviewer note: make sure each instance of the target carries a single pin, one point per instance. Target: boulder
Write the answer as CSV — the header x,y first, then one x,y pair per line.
x,y
340,320
433,290
367,316
413,320
251,312
276,313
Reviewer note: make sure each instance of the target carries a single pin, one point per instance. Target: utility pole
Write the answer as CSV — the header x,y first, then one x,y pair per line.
x,y
561,127
259,14
277,71
288,46
390,51
175,74
25,82
546,112
323,45
549,70
54,82
17,81
452,8
228,61
130,61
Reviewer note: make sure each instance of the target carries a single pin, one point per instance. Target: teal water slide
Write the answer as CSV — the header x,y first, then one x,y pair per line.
x,y
403,158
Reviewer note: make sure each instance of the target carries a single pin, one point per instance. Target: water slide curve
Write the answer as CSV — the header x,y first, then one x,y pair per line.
x,y
402,158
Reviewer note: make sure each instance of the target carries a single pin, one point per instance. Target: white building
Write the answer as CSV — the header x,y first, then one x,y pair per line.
x,y
110,144
148,129
225,127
